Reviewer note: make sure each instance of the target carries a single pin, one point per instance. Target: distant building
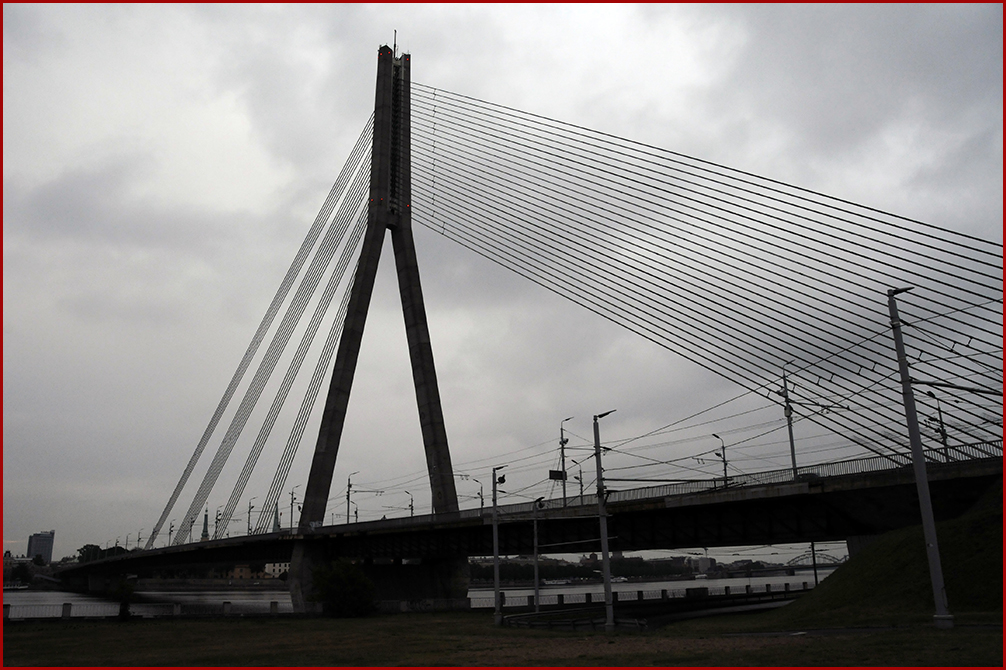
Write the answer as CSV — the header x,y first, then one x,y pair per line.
x,y
277,569
41,544
706,564
244,571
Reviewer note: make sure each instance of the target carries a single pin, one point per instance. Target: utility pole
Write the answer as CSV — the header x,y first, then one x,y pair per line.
x,y
602,513
813,561
498,614
788,411
942,618
534,516
562,456
293,501
349,488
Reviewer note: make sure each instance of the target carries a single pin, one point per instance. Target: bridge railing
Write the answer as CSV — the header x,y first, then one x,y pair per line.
x,y
856,466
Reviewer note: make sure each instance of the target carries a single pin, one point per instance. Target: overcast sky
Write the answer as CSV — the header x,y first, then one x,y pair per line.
x,y
163,163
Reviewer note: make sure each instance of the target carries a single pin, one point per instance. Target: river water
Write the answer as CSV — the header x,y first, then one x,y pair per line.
x,y
42,604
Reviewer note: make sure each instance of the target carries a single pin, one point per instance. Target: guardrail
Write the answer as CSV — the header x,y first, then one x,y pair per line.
x,y
106,610
643,595
969,452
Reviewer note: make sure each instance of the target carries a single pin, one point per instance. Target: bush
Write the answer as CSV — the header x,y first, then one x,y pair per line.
x,y
21,573
344,590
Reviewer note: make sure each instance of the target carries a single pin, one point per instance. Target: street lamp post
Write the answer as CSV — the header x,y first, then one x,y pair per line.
x,y
723,455
482,500
498,615
562,456
250,508
412,507
602,513
171,529
579,477
942,618
943,428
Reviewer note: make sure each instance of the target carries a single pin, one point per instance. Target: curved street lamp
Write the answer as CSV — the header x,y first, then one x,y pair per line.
x,y
723,454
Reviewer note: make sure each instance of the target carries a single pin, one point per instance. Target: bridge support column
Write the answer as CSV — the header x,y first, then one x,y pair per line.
x,y
300,579
97,583
440,578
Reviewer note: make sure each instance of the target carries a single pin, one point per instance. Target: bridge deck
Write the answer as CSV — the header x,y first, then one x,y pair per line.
x,y
828,502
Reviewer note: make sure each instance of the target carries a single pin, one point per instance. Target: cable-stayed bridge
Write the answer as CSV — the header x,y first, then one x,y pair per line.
x,y
776,288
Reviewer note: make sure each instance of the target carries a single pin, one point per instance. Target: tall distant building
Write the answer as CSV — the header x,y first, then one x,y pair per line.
x,y
41,543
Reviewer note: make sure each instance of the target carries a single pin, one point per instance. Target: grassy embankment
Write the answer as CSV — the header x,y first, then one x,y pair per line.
x,y
881,600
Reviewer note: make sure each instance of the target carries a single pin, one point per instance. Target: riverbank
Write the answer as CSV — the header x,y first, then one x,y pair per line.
x,y
186,585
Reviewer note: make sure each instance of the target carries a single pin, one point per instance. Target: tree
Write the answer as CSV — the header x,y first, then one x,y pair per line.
x,y
89,552
21,573
38,560
343,590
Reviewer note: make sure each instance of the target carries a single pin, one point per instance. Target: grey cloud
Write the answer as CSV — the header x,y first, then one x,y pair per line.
x,y
94,205
836,77
124,316
26,33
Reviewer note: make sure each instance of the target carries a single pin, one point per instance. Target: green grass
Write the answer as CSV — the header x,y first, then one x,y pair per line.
x,y
471,639
888,582
880,602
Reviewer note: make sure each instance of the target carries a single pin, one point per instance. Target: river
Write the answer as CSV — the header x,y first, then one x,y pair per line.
x,y
44,604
